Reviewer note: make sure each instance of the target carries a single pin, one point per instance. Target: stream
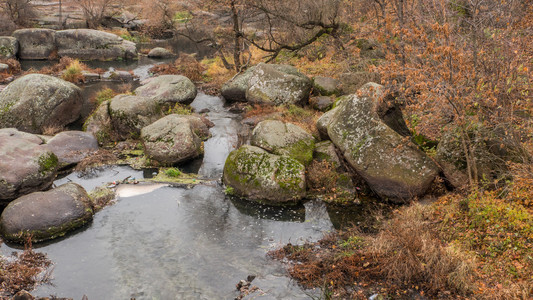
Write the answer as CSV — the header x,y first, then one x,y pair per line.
x,y
163,242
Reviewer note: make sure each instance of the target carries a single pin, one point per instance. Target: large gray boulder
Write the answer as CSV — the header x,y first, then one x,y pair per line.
x,y
172,139
34,102
323,123
277,85
26,165
393,167
71,147
9,47
235,89
284,139
35,43
160,52
88,44
168,89
46,215
269,84
129,114
254,174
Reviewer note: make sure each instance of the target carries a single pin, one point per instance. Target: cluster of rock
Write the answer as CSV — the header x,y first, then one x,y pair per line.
x,y
29,162
168,139
369,138
85,44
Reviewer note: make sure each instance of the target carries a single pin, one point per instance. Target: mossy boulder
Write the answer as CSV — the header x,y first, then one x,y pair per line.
x,y
325,151
34,102
172,139
9,47
36,43
326,86
46,215
89,44
26,165
130,113
254,174
284,139
393,167
168,89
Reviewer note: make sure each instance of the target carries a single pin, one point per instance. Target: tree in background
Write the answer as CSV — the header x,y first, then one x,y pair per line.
x,y
19,11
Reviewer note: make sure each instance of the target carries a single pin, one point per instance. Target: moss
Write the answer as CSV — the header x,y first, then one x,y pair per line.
x,y
183,179
173,172
48,162
100,197
302,151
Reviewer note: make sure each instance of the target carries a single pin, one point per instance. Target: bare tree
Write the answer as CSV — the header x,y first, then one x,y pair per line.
x,y
95,10
20,11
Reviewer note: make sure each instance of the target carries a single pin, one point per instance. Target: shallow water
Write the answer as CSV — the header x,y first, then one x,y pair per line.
x,y
161,242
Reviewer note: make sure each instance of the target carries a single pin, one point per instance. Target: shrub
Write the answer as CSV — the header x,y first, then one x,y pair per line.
x,y
173,172
73,72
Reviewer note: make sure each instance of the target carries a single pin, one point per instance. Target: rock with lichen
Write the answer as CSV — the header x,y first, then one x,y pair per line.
x,y
391,165
35,101
254,174
284,139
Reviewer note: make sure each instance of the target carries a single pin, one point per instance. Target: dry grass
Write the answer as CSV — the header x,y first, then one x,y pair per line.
x,y
185,65
52,129
408,250
21,272
99,158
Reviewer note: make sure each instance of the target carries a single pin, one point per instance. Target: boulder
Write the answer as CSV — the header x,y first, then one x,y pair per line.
x,y
168,89
326,86
46,215
129,114
9,47
160,52
34,102
4,68
393,167
36,43
325,151
99,123
26,165
268,84
235,89
254,174
277,85
321,103
88,44
284,139
323,123
370,49
71,147
171,140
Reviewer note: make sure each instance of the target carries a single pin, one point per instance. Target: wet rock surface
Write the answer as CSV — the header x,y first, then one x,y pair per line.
x,y
26,165
46,215
34,102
